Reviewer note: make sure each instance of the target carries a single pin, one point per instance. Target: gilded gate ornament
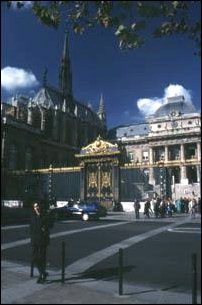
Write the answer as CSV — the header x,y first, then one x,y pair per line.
x,y
99,146
92,180
98,160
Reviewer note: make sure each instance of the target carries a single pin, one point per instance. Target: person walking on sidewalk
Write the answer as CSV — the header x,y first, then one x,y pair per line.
x,y
137,208
40,237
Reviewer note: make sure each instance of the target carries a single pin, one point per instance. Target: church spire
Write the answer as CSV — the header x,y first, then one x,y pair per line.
x,y
65,75
45,71
101,112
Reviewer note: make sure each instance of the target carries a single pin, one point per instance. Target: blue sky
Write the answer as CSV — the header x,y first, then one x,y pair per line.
x,y
133,83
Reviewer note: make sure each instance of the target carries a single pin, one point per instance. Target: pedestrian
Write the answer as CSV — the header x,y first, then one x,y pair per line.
x,y
192,207
199,205
147,208
137,209
40,236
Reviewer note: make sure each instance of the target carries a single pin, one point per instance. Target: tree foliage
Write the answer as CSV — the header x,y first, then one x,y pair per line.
x,y
128,19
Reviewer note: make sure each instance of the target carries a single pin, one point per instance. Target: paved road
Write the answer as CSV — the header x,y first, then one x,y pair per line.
x,y
157,253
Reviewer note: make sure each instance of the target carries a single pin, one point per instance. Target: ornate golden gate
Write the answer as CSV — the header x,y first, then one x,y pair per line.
x,y
99,162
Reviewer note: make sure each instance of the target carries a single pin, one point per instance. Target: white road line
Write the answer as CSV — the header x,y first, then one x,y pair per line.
x,y
13,227
59,234
186,230
10,227
25,289
87,262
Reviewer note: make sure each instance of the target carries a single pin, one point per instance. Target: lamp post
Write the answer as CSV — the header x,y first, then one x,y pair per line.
x,y
173,188
162,187
50,185
199,179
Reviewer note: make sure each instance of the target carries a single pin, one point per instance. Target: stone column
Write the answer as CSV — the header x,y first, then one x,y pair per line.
x,y
182,155
151,176
140,155
43,120
198,170
151,156
199,151
166,153
183,172
30,116
55,131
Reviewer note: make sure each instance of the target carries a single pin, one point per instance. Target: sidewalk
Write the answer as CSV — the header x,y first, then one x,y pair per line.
x,y
18,288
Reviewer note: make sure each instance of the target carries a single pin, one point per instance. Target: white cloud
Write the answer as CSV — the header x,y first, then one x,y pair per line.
x,y
176,90
14,78
27,4
148,106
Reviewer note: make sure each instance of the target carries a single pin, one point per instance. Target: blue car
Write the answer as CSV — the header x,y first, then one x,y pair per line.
x,y
84,210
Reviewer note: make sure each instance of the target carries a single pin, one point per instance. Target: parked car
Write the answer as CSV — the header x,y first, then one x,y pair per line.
x,y
84,210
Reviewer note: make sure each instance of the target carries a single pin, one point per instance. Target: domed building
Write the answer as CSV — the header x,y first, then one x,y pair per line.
x,y
175,105
165,149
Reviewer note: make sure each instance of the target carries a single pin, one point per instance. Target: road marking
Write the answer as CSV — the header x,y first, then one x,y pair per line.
x,y
186,230
23,290
10,227
83,264
14,227
59,234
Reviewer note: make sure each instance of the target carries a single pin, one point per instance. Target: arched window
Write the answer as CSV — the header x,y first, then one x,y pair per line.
x,y
36,122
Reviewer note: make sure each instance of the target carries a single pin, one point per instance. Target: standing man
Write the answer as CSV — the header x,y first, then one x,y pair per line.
x,y
40,236
137,208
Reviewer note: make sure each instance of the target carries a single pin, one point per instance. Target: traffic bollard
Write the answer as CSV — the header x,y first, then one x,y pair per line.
x,y
63,262
120,271
194,279
32,270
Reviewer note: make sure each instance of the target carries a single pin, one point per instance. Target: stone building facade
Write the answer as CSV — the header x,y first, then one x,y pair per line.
x,y
49,128
167,146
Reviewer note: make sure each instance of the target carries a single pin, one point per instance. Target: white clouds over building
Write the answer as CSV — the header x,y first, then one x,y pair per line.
x,y
16,78
148,106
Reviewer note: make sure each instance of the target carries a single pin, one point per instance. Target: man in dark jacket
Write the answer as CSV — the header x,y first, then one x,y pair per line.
x,y
40,236
137,208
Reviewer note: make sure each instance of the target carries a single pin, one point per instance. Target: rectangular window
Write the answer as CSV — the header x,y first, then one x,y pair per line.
x,y
131,156
145,155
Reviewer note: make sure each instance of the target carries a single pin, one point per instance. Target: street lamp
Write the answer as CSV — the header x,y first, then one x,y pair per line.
x,y
162,180
199,177
50,185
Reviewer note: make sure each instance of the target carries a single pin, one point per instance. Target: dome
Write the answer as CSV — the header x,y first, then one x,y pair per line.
x,y
175,105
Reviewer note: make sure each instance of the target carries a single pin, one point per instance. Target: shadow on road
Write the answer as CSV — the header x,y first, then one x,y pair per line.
x,y
103,274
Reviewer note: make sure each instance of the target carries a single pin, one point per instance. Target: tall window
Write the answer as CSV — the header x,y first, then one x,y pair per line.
x,y
131,156
12,165
28,158
145,156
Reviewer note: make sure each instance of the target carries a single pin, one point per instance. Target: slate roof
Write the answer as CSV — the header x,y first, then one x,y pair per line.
x,y
141,129
179,107
49,97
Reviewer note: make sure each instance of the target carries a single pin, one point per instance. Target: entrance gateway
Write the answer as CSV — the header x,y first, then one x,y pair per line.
x,y
99,164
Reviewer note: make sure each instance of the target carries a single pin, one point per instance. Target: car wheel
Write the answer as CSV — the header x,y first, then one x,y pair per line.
x,y
85,217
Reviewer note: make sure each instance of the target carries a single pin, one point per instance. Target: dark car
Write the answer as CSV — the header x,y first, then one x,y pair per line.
x,y
84,210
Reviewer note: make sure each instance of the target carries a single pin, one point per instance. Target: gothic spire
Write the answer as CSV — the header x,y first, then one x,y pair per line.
x,y
65,75
45,71
101,112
